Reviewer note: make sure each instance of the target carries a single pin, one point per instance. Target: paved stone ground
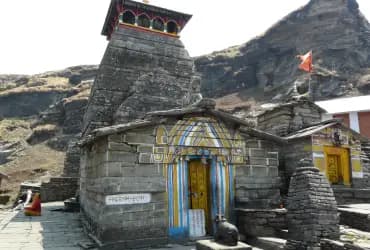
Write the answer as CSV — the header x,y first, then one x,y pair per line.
x,y
364,208
359,237
54,230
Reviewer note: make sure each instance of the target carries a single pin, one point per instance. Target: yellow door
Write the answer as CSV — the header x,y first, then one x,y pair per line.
x,y
338,165
199,188
333,167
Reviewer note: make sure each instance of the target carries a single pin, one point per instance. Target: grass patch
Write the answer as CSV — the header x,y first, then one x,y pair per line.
x,y
13,130
33,164
39,85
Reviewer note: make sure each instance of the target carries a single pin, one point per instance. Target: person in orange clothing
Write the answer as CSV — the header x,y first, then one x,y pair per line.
x,y
35,208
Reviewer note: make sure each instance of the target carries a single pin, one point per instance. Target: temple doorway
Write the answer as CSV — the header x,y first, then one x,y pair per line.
x,y
337,165
200,190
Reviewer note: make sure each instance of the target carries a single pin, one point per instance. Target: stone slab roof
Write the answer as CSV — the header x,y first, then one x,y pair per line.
x,y
270,107
159,117
314,128
110,130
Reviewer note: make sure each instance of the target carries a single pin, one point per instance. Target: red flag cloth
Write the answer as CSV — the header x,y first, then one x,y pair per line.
x,y
306,63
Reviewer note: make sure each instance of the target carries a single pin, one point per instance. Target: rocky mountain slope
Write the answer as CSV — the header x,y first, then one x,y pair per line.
x,y
265,68
39,116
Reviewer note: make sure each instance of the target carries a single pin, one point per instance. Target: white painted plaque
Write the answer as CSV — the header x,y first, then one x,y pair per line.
x,y
197,223
127,199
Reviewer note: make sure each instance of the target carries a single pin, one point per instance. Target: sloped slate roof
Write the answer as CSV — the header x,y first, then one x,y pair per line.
x,y
314,128
105,131
271,107
159,117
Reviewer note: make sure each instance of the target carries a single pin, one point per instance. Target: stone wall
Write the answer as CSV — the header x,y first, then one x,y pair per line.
x,y
257,182
72,160
355,219
345,195
292,153
116,165
326,244
365,161
288,118
261,222
140,72
59,189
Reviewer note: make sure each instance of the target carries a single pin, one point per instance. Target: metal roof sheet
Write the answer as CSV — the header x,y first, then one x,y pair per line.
x,y
345,105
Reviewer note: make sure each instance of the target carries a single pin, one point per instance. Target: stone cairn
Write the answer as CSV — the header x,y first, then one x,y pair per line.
x,y
312,209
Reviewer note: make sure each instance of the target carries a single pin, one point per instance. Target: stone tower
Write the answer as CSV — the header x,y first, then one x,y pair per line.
x,y
145,66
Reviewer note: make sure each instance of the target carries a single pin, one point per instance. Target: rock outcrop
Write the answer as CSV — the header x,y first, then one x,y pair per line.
x,y
28,95
266,67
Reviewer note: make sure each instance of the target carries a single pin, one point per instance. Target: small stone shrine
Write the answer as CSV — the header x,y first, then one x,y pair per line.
x,y
336,150
140,180
312,209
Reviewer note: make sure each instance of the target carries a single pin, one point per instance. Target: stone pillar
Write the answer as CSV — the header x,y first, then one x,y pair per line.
x,y
312,209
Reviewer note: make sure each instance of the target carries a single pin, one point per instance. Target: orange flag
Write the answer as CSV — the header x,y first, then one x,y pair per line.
x,y
306,62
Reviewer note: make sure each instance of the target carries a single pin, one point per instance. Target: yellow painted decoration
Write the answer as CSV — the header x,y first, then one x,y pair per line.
x,y
307,148
318,148
356,166
355,153
320,164
161,135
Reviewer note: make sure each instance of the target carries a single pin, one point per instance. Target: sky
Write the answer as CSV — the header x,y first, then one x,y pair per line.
x,y
44,35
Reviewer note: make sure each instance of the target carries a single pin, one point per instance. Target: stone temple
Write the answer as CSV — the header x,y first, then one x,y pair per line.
x,y
159,163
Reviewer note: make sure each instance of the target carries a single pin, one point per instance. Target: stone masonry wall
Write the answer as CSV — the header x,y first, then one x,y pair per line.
x,y
257,183
276,122
117,165
365,161
292,153
326,244
354,219
140,72
59,189
72,160
261,222
289,118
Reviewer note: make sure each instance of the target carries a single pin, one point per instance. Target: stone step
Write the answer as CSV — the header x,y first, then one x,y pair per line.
x,y
352,236
356,216
267,243
283,234
212,245
345,195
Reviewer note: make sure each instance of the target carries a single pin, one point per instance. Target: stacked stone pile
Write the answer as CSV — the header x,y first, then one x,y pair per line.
x,y
365,159
290,117
312,209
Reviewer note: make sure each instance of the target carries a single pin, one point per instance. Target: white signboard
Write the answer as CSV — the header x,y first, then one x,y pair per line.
x,y
197,223
127,199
